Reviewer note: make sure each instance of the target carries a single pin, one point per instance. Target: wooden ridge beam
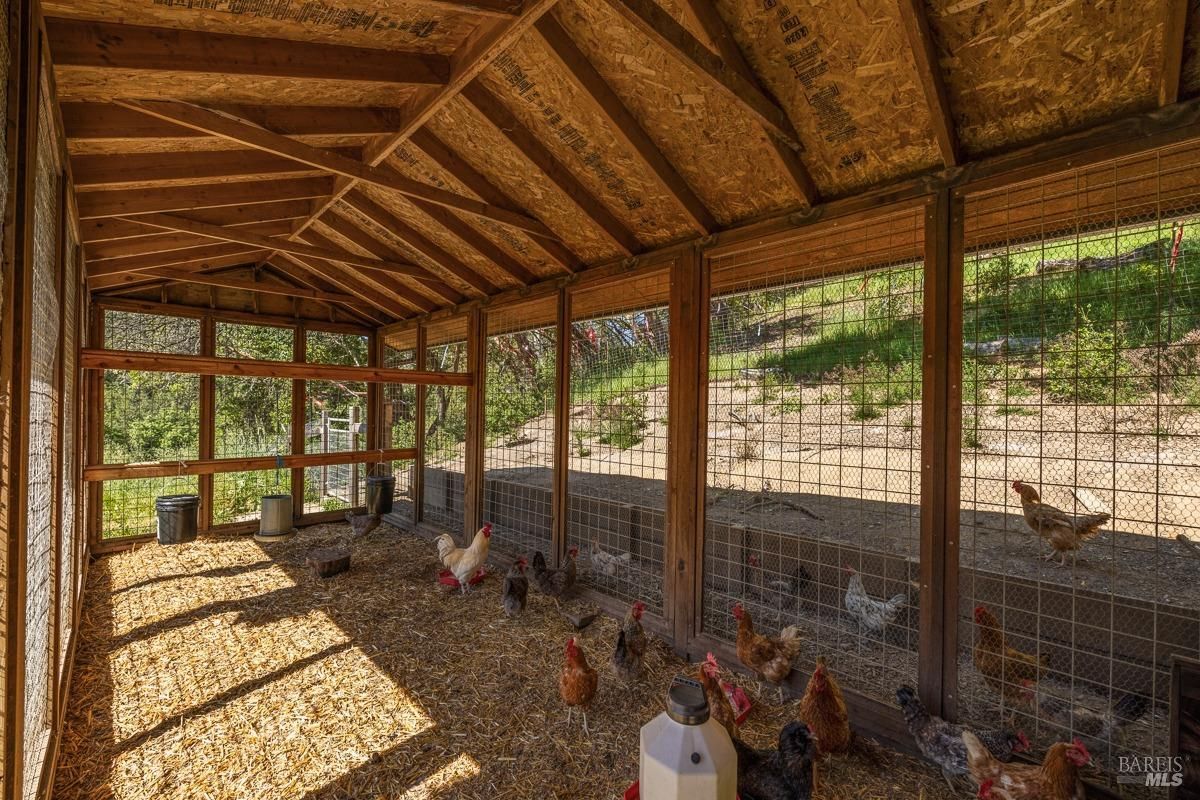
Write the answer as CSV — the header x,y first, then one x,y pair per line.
x,y
390,300
107,45
621,122
89,120
192,256
929,75
105,229
100,358
246,133
242,236
1174,34
418,241
450,161
722,40
655,23
116,171
215,466
160,242
528,145
362,239
123,202
491,38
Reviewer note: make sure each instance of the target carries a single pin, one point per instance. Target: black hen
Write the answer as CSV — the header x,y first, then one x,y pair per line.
x,y
516,589
782,774
555,583
941,742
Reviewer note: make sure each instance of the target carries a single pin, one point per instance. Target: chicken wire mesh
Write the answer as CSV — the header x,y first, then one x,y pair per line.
x,y
445,440
69,414
519,429
399,409
151,333
253,418
335,422
127,506
1081,371
617,448
813,484
42,465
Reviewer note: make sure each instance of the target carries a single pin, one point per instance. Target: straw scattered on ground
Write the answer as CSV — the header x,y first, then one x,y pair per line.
x,y
225,669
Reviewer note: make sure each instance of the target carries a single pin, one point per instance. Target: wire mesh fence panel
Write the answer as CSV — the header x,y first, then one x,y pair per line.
x,y
128,505
150,416
42,462
68,414
445,439
237,496
519,428
617,448
399,408
151,333
335,422
813,449
1081,453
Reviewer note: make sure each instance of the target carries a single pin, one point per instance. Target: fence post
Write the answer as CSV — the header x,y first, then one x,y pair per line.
x,y
208,410
941,440
353,447
473,461
562,427
684,545
418,482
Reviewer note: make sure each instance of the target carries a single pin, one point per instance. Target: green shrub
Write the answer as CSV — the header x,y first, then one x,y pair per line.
x,y
621,421
1086,365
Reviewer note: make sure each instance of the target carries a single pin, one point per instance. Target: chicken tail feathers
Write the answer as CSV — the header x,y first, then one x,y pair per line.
x,y
445,546
1089,526
790,639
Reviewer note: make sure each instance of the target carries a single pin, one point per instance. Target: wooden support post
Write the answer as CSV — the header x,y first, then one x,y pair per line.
x,y
94,438
208,422
562,426
354,415
299,355
684,545
23,96
418,485
56,469
941,440
473,466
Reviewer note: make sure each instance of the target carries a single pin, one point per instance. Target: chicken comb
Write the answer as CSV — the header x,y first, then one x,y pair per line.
x,y
1023,740
1078,744
985,789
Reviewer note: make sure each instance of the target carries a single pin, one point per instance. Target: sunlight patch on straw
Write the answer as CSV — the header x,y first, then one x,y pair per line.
x,y
460,769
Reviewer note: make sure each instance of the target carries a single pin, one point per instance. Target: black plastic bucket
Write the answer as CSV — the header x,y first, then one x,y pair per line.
x,y
178,517
379,493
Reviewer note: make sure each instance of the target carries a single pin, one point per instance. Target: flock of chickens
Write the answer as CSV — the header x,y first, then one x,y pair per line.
x,y
822,727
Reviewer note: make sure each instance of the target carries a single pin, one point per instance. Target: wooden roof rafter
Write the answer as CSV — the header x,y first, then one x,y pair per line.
x,y
621,122
539,156
381,297
723,43
107,45
243,236
1174,35
367,312
223,256
425,141
107,229
238,130
418,242
490,39
929,74
125,202
118,170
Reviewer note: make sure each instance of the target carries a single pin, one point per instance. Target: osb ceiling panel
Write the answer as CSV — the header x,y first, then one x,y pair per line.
x,y
531,85
1017,70
412,162
103,84
845,75
716,147
489,153
385,24
422,223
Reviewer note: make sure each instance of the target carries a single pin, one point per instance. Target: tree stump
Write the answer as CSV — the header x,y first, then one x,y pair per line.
x,y
328,561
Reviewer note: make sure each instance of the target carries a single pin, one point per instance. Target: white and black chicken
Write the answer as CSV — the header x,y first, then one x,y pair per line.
x,y
873,615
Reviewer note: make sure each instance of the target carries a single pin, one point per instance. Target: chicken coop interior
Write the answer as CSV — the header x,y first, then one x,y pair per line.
x,y
875,323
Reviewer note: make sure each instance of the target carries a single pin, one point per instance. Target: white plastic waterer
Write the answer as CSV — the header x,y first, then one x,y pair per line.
x,y
685,755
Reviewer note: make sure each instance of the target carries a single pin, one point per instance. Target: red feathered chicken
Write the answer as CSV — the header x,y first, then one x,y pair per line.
x,y
577,683
824,710
1064,532
1057,778
770,659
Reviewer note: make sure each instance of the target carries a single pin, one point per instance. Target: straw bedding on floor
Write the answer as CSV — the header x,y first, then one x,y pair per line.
x,y
225,669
